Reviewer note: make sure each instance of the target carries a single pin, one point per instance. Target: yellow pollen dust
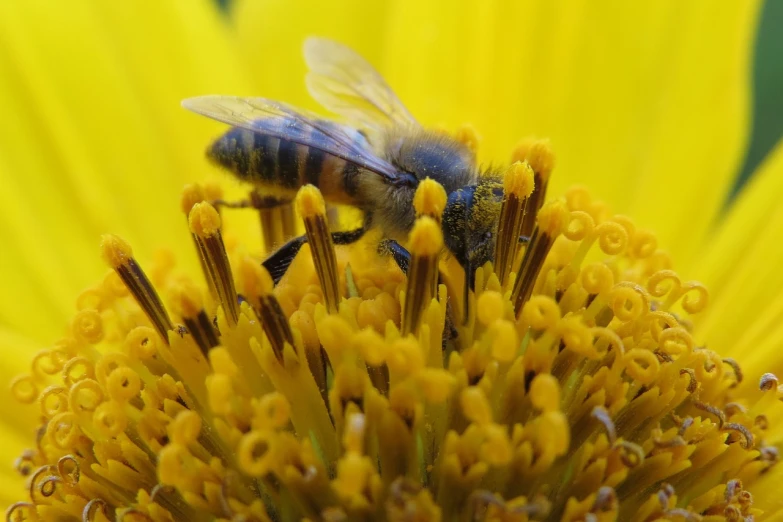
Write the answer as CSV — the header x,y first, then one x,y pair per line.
x,y
538,153
426,238
187,299
204,220
115,250
518,180
191,195
310,202
429,199
468,136
553,218
254,278
564,383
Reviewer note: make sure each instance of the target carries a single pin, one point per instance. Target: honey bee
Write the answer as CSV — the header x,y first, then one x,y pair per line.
x,y
374,163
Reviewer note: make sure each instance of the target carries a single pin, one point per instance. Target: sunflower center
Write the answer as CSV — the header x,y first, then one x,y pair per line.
x,y
565,385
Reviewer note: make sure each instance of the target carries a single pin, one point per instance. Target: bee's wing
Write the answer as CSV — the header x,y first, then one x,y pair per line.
x,y
345,83
276,119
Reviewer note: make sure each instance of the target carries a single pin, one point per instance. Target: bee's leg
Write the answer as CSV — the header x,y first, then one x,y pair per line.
x,y
401,256
470,281
222,203
257,201
277,264
348,236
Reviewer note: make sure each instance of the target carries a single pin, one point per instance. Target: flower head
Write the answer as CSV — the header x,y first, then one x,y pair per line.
x,y
572,382
568,386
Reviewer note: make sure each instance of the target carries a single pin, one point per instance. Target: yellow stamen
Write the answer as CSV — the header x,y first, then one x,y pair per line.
x,y
552,220
468,136
205,225
119,256
188,303
311,207
429,199
191,195
426,241
258,286
580,394
538,154
517,186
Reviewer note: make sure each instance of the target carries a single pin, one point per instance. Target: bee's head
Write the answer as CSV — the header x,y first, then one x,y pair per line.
x,y
469,222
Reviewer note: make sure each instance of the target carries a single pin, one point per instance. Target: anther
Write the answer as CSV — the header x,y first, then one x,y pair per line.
x,y
257,287
468,136
426,241
191,195
119,256
312,209
205,224
552,219
429,199
517,187
539,155
187,299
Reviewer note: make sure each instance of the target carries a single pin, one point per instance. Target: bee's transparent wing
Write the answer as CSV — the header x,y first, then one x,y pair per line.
x,y
346,84
278,120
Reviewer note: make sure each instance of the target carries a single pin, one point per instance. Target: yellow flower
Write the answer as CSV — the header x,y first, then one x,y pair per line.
x,y
588,381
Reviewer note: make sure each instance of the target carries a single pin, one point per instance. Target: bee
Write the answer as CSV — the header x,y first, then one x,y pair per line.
x,y
373,163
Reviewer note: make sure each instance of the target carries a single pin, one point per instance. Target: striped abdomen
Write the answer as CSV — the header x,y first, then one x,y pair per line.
x,y
284,165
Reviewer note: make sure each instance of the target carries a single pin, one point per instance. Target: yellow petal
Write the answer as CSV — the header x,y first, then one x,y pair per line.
x,y
645,102
741,266
98,141
271,34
